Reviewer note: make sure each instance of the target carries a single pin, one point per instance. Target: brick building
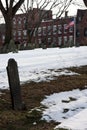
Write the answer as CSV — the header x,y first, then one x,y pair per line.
x,y
51,32
2,33
81,27
54,33
25,22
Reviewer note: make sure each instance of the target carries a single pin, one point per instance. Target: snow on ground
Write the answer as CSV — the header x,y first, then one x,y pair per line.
x,y
43,65
77,122
67,108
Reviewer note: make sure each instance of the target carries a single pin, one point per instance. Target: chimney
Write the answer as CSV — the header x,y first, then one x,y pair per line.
x,y
66,14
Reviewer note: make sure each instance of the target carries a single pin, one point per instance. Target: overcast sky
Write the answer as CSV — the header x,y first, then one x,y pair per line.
x,y
72,10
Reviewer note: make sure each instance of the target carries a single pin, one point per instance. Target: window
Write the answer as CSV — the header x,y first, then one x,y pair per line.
x,y
24,20
25,32
70,29
54,39
44,30
71,38
60,41
59,29
49,41
77,33
14,21
54,29
85,32
25,23
65,30
46,15
49,30
19,33
19,23
44,41
79,18
65,40
39,31
39,40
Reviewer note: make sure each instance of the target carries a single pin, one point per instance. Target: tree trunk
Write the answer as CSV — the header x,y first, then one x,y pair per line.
x,y
8,29
85,2
8,13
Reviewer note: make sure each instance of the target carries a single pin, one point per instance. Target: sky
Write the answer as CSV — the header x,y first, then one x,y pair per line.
x,y
72,10
74,7
44,65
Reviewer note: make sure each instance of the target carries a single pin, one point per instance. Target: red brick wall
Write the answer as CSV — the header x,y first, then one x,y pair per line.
x,y
81,25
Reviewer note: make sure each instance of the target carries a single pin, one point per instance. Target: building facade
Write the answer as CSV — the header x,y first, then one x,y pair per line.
x,y
24,23
54,33
48,32
81,27
2,34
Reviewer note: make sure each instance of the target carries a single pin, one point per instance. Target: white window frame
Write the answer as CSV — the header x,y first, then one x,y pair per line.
x,y
54,29
44,30
65,30
39,40
19,33
39,31
24,32
49,30
65,40
59,40
59,29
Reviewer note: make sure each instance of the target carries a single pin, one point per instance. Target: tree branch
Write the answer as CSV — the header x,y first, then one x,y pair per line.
x,y
11,3
2,8
17,6
85,2
7,4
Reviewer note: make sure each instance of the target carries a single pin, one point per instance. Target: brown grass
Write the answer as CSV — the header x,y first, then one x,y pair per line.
x,y
32,95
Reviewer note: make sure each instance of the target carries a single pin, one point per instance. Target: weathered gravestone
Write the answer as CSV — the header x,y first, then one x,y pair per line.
x,y
14,83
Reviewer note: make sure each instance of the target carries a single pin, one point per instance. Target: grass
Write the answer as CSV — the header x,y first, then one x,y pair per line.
x,y
32,95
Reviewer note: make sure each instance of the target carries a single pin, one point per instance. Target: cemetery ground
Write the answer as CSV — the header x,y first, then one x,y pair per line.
x,y
32,94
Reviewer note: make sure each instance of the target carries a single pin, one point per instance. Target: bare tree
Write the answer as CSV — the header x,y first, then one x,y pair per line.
x,y
57,6
9,9
85,2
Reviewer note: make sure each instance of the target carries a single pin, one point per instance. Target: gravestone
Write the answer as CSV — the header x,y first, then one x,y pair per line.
x,y
14,84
